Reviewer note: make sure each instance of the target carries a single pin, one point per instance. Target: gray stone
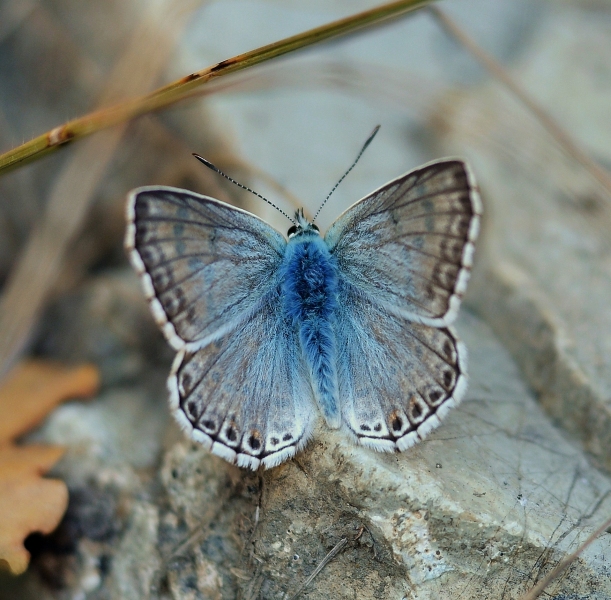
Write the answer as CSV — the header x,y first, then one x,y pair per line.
x,y
136,562
484,507
544,275
122,429
106,321
491,501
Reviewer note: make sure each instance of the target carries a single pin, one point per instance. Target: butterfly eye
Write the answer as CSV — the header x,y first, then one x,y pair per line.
x,y
292,230
315,227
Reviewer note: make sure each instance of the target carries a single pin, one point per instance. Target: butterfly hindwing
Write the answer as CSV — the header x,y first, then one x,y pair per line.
x,y
409,244
398,378
204,264
247,395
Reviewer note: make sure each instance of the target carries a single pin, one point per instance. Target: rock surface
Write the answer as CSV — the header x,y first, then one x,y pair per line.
x,y
495,497
494,494
483,508
544,279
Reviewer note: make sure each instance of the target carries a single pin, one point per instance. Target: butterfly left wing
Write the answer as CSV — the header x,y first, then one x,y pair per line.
x,y
397,378
247,395
409,245
204,264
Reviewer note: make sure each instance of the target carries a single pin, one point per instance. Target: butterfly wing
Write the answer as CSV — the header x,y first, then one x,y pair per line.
x,y
409,245
238,384
247,395
404,255
204,264
397,378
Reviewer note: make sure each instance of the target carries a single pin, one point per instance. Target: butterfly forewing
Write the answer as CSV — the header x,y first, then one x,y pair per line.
x,y
247,396
409,244
204,264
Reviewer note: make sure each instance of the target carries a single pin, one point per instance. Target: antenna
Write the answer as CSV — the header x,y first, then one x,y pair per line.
x,y
358,157
217,170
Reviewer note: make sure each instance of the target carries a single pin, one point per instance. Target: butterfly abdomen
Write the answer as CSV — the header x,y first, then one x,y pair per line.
x,y
309,282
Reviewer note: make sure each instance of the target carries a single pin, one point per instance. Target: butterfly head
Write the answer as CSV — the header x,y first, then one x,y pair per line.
x,y
302,226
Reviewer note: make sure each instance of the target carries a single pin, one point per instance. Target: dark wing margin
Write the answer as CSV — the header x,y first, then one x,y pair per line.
x,y
203,264
409,244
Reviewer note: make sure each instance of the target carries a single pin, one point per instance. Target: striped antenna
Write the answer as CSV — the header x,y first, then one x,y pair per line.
x,y
217,170
367,142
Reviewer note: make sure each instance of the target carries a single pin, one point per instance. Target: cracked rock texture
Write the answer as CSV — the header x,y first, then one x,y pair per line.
x,y
490,502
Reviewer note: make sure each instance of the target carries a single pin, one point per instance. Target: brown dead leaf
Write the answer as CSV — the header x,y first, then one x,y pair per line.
x,y
35,387
29,502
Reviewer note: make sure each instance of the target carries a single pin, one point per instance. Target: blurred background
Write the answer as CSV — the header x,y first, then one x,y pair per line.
x,y
290,129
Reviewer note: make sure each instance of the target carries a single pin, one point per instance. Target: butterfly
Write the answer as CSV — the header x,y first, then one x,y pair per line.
x,y
271,332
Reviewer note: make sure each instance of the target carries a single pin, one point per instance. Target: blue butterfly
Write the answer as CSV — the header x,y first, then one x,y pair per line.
x,y
272,332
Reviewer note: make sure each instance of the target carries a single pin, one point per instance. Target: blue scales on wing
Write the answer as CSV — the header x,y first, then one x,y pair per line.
x,y
404,256
204,264
239,383
247,395
409,244
398,378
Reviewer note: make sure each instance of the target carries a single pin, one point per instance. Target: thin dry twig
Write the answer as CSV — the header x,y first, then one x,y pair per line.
x,y
323,563
252,591
183,87
550,124
565,563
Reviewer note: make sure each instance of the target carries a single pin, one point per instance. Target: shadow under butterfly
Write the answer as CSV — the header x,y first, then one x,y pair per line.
x,y
270,333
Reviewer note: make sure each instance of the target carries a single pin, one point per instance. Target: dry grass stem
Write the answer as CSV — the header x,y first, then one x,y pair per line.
x,y
323,563
40,263
178,90
565,563
543,117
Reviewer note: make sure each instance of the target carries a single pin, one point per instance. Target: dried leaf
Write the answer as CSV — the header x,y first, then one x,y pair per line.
x,y
33,388
29,502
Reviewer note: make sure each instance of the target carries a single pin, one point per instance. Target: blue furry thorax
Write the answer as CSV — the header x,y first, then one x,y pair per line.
x,y
309,280
308,274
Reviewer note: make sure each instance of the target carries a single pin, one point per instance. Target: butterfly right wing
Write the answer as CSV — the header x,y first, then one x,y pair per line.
x,y
404,256
409,244
397,378
247,396
204,264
